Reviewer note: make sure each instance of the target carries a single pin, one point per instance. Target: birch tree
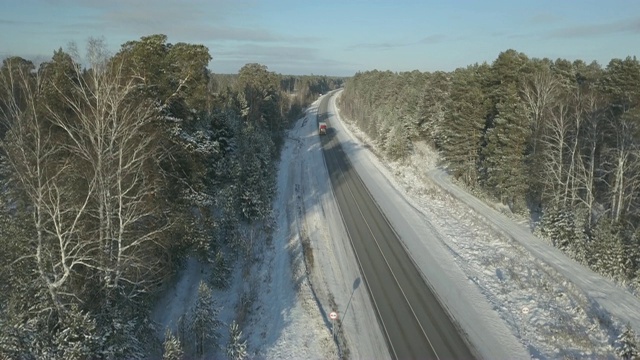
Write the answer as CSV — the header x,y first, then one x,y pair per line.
x,y
110,135
55,249
44,179
620,83
555,140
539,93
587,167
624,160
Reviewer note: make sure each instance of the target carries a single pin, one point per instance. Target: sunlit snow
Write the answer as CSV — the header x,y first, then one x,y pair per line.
x,y
512,294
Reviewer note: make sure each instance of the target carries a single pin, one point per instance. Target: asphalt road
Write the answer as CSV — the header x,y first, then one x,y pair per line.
x,y
415,324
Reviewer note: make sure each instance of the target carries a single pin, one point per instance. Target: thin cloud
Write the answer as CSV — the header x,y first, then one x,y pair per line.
x,y
433,39
178,8
21,22
258,52
378,46
631,26
193,20
544,18
290,59
8,22
521,36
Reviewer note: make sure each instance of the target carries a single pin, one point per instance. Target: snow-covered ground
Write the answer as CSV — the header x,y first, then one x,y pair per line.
x,y
511,299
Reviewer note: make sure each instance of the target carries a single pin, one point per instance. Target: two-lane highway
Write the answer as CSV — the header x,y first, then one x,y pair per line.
x,y
414,322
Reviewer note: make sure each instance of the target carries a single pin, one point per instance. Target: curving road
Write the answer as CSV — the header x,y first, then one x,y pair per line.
x,y
415,324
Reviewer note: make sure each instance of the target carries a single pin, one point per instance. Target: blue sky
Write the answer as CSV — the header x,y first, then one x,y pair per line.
x,y
333,37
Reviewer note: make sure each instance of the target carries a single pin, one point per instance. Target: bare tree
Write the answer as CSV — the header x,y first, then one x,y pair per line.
x,y
624,158
39,171
539,93
111,134
555,144
570,141
587,163
577,103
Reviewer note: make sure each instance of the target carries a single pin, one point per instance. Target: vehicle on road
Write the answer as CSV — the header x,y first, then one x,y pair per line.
x,y
322,128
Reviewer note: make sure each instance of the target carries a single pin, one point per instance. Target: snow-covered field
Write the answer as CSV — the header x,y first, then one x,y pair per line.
x,y
510,303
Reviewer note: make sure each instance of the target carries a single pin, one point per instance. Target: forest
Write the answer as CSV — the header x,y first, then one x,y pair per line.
x,y
115,168
556,141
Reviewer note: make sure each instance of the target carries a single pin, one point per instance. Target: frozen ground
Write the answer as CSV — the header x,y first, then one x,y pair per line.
x,y
515,296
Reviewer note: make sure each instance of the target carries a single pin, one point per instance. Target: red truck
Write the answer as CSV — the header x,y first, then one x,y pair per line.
x,y
322,128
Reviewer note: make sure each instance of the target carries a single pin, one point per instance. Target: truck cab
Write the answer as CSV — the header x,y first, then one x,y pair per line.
x,y
322,128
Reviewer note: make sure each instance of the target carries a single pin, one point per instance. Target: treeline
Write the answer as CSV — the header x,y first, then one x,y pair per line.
x,y
301,90
113,172
556,138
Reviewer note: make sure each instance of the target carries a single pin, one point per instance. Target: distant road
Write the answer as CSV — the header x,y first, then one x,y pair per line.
x,y
415,324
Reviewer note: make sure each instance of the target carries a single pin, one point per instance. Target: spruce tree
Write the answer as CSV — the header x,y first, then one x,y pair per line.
x,y
204,320
627,345
172,347
78,337
607,250
236,348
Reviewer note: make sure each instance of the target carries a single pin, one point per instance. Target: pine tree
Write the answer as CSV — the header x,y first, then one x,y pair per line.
x,y
463,131
236,348
220,276
504,154
204,320
627,345
172,347
434,104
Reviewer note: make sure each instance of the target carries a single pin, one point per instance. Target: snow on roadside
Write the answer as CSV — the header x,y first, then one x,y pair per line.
x,y
546,313
270,292
504,298
312,269
286,323
334,272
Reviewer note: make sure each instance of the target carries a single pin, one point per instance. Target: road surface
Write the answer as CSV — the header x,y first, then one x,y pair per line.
x,y
415,324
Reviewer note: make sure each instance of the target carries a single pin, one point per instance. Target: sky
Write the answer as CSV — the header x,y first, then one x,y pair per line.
x,y
331,37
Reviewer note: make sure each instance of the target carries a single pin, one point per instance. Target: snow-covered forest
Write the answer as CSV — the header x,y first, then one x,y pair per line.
x,y
556,142
115,169
121,170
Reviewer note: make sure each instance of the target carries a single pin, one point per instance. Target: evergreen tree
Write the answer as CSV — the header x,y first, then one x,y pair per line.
x,y
462,135
508,72
627,345
565,230
260,90
558,225
220,276
78,338
255,173
236,348
204,323
620,83
435,103
607,250
505,151
172,347
397,143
